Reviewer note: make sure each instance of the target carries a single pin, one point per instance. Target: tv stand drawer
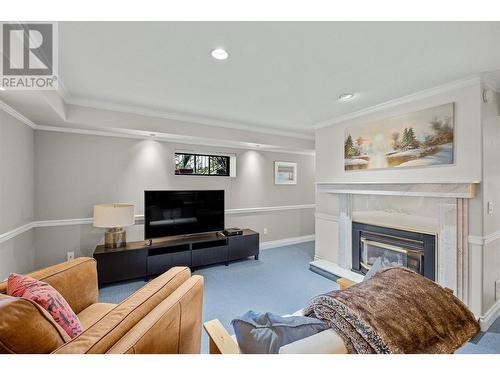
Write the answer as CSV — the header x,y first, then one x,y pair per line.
x,y
202,257
158,264
119,266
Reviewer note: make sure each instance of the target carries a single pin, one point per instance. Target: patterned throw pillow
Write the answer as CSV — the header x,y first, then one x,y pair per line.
x,y
47,297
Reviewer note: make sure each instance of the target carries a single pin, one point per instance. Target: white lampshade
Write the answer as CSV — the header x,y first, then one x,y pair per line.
x,y
113,215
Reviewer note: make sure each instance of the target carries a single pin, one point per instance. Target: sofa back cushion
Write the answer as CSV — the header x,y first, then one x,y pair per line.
x,y
26,328
76,280
47,297
103,334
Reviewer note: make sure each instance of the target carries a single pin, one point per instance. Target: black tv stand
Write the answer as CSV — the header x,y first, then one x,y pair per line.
x,y
144,259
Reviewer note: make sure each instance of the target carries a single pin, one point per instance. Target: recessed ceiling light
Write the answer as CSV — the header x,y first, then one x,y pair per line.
x,y
345,97
219,54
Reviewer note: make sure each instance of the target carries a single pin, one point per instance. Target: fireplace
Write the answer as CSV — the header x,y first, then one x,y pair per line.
x,y
413,250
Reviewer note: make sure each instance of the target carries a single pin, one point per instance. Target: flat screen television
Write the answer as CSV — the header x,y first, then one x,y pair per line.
x,y
176,212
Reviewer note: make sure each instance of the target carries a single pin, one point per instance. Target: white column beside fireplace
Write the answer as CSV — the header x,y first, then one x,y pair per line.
x,y
437,209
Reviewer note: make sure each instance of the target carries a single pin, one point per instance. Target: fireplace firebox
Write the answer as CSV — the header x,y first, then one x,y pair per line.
x,y
413,250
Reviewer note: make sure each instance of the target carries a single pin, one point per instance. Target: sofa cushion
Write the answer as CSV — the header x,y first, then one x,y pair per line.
x,y
94,313
266,333
27,328
76,280
47,297
324,342
104,333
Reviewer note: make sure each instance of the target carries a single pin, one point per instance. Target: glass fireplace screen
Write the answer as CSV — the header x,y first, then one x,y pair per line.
x,y
392,252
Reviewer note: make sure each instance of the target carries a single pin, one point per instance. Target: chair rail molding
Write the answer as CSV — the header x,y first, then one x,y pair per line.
x,y
140,218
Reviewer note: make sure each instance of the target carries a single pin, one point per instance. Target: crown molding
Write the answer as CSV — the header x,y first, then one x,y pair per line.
x,y
194,141
185,117
11,111
466,82
177,116
187,140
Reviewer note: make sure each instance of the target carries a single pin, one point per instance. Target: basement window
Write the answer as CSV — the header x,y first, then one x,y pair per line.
x,y
201,165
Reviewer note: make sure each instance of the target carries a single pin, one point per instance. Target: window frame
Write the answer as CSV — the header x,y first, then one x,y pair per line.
x,y
210,156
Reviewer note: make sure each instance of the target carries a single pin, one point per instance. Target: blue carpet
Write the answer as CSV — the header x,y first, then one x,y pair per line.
x,y
489,343
279,282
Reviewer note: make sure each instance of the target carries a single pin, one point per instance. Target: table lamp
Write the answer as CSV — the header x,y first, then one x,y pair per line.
x,y
114,216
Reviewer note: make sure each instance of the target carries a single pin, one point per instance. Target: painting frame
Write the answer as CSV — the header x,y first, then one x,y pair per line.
x,y
418,139
285,173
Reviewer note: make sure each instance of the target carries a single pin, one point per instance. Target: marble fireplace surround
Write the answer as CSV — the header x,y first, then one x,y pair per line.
x,y
446,217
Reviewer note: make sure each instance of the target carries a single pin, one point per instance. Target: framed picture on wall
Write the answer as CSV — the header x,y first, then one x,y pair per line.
x,y
285,173
416,139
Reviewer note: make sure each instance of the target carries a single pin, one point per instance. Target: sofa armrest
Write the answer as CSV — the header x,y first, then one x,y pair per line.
x,y
76,280
172,327
221,341
103,334
345,283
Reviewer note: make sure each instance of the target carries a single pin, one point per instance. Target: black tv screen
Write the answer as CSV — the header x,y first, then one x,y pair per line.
x,y
175,212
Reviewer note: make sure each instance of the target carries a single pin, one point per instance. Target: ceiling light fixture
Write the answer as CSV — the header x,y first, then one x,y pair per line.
x,y
219,54
345,97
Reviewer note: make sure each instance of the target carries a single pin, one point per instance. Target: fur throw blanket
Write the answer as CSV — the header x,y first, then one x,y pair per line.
x,y
396,311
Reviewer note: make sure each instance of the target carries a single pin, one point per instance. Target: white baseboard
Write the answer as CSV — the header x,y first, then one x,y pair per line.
x,y
286,241
491,315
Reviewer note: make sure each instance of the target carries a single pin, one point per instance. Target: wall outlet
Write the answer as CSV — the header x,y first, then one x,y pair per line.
x,y
265,230
497,290
70,255
490,208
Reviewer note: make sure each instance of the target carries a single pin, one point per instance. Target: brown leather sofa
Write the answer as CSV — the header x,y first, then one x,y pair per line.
x,y
162,317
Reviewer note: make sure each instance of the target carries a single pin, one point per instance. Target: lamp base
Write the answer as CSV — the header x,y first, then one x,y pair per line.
x,y
115,238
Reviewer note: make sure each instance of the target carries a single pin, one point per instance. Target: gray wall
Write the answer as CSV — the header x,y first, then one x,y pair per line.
x,y
74,172
16,193
490,189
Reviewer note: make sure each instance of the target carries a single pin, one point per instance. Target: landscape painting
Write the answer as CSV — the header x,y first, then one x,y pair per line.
x,y
415,139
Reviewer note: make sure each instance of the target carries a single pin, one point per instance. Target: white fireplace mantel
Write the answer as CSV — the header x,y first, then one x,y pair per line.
x,y
431,190
449,222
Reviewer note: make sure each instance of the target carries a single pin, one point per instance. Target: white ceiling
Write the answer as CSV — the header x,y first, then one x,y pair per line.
x,y
279,75
281,78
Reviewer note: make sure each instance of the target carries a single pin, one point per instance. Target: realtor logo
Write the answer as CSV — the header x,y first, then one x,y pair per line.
x,y
28,56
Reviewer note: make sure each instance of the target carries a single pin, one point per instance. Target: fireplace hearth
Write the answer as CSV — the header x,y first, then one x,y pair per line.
x,y
413,250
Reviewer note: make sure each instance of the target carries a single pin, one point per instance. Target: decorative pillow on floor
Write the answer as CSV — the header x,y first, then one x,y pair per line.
x,y
47,297
267,333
